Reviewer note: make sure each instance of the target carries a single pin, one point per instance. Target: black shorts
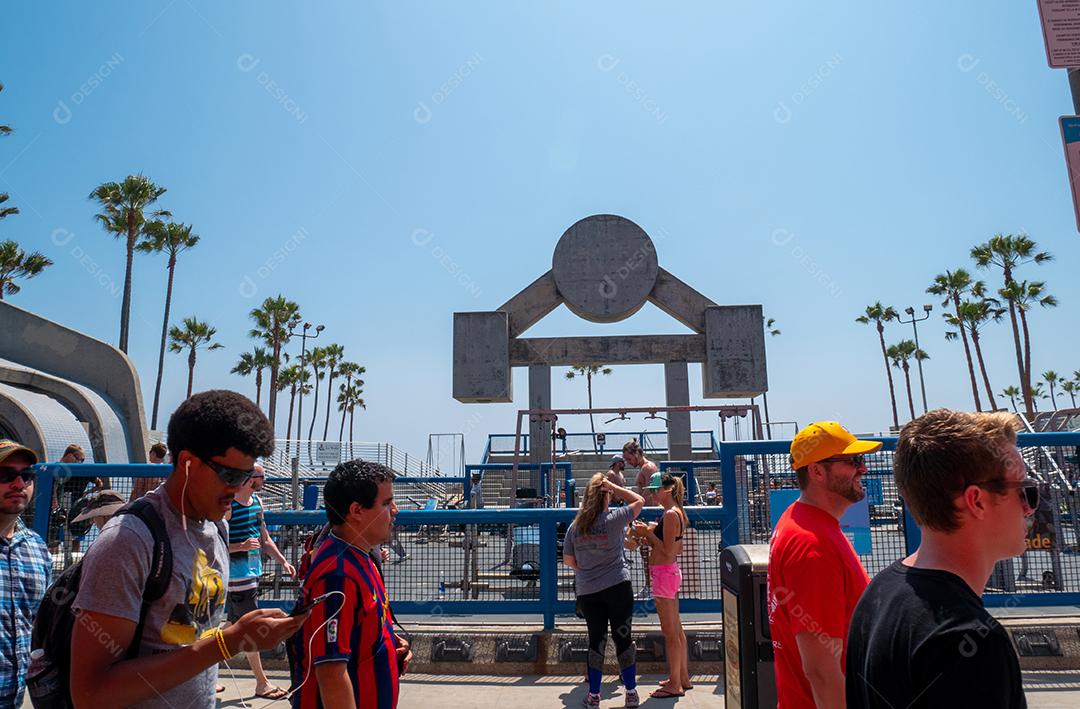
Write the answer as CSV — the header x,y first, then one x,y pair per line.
x,y
241,602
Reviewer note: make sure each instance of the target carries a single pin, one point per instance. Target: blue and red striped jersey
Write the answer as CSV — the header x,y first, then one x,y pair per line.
x,y
361,633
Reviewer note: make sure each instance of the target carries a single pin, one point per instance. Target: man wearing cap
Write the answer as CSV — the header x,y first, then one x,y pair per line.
x,y
815,577
615,470
25,570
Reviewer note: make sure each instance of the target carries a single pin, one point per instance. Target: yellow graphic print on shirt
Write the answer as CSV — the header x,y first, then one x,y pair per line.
x,y
195,619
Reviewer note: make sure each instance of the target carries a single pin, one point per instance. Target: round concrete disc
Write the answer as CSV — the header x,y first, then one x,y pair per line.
x,y
605,267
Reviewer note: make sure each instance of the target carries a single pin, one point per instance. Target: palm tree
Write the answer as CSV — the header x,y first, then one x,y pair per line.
x,y
954,285
900,354
192,337
4,129
350,370
172,239
1024,296
1037,393
295,380
124,215
16,263
348,399
588,371
1051,378
317,359
879,315
335,353
254,362
974,314
1008,252
1012,392
6,211
1070,387
274,322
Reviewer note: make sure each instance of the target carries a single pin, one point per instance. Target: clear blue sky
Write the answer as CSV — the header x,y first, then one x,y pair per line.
x,y
810,158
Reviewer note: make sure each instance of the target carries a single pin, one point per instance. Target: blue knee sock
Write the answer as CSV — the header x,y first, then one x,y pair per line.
x,y
629,676
595,671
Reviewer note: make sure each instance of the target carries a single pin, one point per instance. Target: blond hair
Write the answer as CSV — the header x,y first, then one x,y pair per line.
x,y
593,504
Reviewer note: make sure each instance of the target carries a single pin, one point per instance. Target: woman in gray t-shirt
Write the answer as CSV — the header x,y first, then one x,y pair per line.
x,y
593,549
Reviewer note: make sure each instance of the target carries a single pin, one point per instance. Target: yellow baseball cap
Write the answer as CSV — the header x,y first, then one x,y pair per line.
x,y
9,448
825,439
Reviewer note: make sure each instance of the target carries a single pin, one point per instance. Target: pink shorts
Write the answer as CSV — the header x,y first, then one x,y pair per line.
x,y
666,579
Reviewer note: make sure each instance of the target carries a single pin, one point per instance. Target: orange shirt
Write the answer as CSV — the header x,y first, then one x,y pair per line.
x,y
815,580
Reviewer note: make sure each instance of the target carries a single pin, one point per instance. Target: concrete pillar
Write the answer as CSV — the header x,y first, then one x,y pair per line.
x,y
539,431
677,388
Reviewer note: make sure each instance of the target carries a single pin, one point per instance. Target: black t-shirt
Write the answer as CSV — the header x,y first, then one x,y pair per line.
x,y
922,638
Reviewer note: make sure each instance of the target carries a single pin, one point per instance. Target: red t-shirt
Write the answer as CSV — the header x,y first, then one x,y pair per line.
x,y
815,580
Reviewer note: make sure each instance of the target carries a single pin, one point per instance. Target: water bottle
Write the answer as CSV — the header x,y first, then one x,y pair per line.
x,y
442,586
43,682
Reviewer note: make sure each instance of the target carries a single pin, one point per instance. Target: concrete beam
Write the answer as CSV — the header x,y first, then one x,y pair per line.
x,y
72,397
530,305
677,390
680,301
33,341
539,431
482,358
735,352
15,418
568,351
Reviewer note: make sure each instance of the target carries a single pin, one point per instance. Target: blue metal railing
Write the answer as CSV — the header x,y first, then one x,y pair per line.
x,y
586,442
547,604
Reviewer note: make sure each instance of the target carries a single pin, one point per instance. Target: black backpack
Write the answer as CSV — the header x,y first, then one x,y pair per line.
x,y
54,625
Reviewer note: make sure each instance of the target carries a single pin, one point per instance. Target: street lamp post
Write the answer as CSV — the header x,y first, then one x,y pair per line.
x,y
926,314
303,366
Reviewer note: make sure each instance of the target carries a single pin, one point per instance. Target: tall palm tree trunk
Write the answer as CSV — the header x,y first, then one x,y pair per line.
x,y
125,306
982,369
341,431
288,424
907,381
258,387
352,411
314,410
1027,349
967,352
274,365
191,371
164,337
1073,397
888,373
329,402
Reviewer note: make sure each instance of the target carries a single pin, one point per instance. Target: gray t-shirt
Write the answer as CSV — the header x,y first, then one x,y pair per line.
x,y
599,554
114,574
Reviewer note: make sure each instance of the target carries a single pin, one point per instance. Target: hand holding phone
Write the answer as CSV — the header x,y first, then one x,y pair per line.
x,y
301,607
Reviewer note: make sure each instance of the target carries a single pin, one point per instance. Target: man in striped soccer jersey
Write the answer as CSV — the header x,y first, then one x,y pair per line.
x,y
248,541
349,639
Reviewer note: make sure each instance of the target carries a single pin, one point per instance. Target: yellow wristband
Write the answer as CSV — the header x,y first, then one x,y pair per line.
x,y
221,644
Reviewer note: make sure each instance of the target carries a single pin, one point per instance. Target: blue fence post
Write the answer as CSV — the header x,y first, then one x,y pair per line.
x,y
549,569
468,487
729,514
43,492
691,484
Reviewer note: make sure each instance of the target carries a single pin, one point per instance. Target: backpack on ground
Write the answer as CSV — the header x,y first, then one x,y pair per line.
x,y
54,625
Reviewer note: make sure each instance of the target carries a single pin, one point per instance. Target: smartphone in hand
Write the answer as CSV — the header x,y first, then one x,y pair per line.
x,y
301,607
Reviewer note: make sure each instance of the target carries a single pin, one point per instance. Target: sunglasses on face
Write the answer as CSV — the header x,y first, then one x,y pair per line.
x,y
856,460
230,476
1027,489
8,475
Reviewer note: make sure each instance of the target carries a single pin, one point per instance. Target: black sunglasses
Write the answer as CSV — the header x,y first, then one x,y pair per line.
x,y
230,476
8,475
857,460
1027,489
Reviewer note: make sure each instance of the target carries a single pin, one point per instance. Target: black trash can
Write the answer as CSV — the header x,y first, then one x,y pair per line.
x,y
749,675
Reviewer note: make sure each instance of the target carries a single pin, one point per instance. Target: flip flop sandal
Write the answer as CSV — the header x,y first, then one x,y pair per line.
x,y
272,693
665,694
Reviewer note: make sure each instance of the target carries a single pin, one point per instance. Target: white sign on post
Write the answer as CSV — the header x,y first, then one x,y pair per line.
x,y
1060,20
328,452
1070,136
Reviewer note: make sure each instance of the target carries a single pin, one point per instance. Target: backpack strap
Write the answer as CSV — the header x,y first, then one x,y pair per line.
x,y
161,561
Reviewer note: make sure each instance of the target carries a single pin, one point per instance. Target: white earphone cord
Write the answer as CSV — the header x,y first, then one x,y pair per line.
x,y
307,675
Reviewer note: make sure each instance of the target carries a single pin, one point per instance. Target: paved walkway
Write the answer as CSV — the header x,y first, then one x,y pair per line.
x,y
1045,690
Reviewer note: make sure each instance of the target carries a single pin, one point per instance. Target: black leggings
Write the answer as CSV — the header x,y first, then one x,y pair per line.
x,y
613,606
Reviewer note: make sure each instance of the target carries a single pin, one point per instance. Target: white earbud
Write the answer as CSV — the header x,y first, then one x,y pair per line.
x,y
183,493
